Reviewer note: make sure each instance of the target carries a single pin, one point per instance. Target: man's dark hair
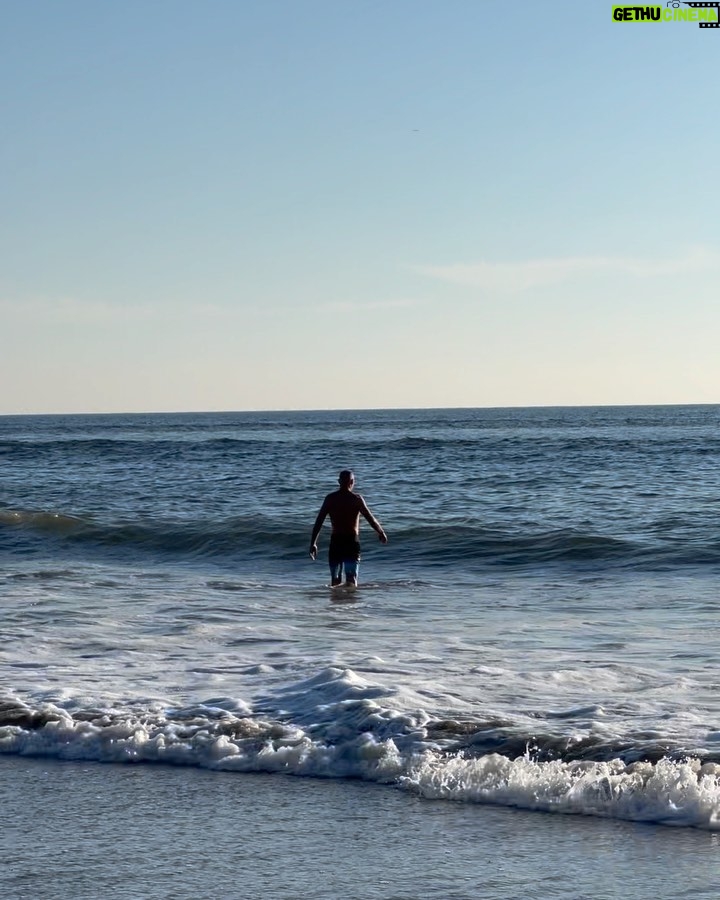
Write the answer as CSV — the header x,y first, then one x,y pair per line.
x,y
346,476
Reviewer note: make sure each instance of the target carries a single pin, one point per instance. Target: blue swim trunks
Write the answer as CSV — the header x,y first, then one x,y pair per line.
x,y
344,554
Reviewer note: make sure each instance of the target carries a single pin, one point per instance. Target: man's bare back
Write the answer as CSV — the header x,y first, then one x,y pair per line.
x,y
344,508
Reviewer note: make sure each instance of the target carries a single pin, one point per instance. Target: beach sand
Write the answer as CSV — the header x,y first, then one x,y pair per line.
x,y
79,830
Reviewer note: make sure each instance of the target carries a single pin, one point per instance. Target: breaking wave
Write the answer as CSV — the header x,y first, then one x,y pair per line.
x,y
338,725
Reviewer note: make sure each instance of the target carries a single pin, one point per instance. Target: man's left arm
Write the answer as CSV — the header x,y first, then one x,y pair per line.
x,y
372,521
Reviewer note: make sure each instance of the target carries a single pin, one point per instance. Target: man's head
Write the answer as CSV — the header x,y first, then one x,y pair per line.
x,y
346,479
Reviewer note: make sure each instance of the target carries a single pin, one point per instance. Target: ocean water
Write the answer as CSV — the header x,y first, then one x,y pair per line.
x,y
536,648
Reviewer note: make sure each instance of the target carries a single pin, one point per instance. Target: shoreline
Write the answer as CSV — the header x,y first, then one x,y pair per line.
x,y
152,831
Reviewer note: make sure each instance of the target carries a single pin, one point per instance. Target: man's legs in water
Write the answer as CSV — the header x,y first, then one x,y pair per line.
x,y
351,571
350,566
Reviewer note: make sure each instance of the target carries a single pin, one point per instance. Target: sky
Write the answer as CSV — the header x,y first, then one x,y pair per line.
x,y
341,204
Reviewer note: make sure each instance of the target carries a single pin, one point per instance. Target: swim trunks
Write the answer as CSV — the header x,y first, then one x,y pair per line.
x,y
343,548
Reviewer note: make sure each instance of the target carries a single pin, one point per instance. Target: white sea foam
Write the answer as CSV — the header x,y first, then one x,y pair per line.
x,y
338,724
672,793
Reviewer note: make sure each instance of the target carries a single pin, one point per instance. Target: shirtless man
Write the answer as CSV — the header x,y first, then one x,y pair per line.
x,y
344,508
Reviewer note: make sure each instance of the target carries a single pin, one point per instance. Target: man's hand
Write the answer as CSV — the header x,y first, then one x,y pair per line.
x,y
382,537
313,551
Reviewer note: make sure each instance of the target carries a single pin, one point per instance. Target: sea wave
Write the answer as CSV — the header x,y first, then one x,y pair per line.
x,y
358,441
210,539
256,537
339,725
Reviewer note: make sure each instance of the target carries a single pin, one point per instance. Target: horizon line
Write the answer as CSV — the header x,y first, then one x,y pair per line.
x,y
350,409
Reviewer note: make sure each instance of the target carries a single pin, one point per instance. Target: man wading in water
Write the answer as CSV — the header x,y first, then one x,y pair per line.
x,y
344,509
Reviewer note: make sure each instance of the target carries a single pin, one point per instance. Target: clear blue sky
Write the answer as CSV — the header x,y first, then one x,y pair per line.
x,y
302,204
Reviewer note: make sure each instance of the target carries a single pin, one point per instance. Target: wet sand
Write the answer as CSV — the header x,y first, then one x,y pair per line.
x,y
77,830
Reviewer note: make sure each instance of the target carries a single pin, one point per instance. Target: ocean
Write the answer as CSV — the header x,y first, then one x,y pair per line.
x,y
519,698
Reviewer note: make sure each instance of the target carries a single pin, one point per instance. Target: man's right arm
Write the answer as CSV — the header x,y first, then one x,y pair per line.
x,y
316,528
